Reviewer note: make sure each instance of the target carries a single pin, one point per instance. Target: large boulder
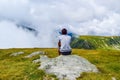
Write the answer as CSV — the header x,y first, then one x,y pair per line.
x,y
66,67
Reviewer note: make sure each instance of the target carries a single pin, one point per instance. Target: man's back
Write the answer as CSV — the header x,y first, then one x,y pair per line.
x,y
65,43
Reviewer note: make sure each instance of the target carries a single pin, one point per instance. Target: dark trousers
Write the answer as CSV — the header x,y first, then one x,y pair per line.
x,y
66,53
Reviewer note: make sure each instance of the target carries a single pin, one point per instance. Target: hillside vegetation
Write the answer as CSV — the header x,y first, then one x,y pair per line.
x,y
21,68
104,52
96,42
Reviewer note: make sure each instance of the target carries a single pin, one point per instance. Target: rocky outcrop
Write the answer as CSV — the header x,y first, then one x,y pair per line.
x,y
66,67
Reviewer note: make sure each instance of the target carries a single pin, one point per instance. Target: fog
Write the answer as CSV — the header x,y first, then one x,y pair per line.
x,y
47,17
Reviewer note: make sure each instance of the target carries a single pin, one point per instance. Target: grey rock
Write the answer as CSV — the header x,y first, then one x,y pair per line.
x,y
34,54
66,67
113,78
17,53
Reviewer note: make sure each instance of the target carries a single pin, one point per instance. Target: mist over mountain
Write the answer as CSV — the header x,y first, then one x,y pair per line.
x,y
37,23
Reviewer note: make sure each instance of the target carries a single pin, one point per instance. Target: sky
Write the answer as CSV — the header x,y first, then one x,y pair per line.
x,y
48,17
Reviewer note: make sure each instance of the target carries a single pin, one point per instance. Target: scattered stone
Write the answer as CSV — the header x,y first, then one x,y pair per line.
x,y
34,54
36,61
113,78
17,53
66,67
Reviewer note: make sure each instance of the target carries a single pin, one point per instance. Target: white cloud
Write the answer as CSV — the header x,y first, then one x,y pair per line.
x,y
83,17
12,36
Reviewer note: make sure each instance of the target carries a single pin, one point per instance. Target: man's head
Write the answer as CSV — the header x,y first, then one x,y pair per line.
x,y
64,31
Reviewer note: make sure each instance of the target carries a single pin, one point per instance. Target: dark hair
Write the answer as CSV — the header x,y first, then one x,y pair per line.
x,y
64,31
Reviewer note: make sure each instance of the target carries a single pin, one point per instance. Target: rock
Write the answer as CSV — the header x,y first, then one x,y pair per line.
x,y
34,54
17,53
113,78
66,67
36,61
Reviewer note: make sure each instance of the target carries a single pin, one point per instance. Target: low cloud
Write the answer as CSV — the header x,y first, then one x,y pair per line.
x,y
82,17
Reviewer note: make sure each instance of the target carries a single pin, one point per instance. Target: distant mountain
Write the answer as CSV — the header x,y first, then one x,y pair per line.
x,y
27,27
96,42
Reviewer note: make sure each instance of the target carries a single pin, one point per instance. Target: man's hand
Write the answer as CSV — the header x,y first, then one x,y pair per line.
x,y
59,45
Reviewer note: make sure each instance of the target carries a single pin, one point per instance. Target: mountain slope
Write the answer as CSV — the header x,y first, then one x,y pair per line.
x,y
96,42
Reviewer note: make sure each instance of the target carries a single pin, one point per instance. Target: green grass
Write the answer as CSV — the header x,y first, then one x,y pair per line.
x,y
19,68
96,42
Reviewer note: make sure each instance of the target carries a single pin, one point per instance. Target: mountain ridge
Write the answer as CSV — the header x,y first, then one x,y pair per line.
x,y
96,42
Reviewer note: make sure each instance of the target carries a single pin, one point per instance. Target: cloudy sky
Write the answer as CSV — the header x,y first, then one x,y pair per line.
x,y
46,17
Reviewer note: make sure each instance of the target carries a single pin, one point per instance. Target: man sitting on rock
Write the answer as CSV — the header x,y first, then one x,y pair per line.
x,y
64,43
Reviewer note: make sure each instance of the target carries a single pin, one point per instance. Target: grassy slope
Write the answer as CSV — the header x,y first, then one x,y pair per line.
x,y
19,68
97,42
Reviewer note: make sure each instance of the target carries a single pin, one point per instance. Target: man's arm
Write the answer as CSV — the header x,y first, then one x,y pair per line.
x,y
59,45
